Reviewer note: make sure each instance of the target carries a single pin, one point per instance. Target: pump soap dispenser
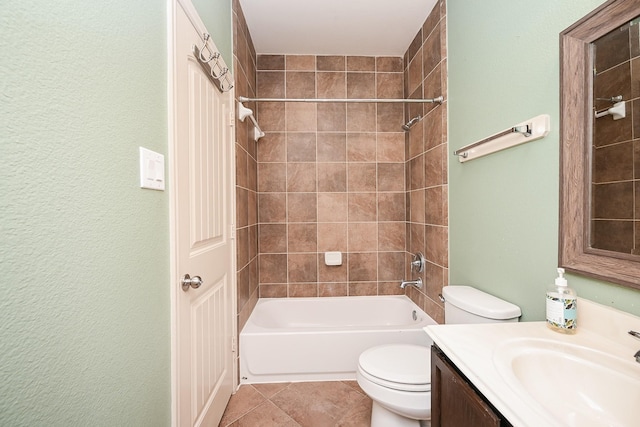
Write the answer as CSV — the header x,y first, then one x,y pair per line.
x,y
562,308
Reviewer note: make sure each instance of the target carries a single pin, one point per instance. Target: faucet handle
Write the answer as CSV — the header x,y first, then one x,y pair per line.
x,y
635,334
418,262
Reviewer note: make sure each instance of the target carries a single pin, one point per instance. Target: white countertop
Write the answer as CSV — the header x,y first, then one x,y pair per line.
x,y
472,349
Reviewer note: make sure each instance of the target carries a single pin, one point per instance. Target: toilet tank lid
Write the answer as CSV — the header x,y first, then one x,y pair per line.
x,y
480,303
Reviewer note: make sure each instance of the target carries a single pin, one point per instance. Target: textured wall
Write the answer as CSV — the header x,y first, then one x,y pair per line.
x,y
84,300
504,207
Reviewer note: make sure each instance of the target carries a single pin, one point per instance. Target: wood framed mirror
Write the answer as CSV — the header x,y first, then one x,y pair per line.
x,y
580,204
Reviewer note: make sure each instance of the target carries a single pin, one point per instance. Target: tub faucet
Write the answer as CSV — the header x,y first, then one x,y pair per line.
x,y
416,283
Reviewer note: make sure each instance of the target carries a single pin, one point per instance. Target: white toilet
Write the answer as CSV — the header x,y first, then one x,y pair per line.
x,y
397,377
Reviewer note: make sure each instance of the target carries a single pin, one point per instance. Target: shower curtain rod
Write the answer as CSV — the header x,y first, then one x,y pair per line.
x,y
438,100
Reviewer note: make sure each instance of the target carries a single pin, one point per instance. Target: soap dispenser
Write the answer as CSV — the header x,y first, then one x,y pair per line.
x,y
562,308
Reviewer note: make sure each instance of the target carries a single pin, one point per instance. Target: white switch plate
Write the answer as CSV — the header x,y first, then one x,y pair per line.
x,y
151,169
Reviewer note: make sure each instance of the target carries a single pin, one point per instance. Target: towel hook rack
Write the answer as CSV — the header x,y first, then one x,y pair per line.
x,y
209,68
214,55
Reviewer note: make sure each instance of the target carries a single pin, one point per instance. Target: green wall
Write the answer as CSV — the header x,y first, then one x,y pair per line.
x,y
84,252
503,69
217,17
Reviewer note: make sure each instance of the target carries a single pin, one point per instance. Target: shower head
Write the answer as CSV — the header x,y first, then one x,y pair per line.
x,y
411,122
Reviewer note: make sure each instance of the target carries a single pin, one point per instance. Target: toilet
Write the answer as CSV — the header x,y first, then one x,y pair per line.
x,y
397,377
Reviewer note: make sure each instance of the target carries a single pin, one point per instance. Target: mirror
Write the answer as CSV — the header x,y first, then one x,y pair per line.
x,y
616,66
598,217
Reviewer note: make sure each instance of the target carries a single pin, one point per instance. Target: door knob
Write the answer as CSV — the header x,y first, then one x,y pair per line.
x,y
194,282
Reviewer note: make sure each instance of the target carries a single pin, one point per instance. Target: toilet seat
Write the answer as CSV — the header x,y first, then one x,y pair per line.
x,y
402,367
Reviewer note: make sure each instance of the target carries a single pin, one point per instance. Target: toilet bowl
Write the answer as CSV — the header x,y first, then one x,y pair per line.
x,y
397,377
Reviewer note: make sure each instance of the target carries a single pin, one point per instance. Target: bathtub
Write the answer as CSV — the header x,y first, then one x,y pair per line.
x,y
320,339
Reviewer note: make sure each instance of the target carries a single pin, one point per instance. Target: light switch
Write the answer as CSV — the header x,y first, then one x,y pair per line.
x,y
151,169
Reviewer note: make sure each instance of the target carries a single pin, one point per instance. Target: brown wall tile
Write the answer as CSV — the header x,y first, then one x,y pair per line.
x,y
302,207
425,76
362,206
362,288
270,62
389,64
303,268
390,177
361,117
302,238
300,84
301,177
272,177
332,147
272,116
273,268
344,170
303,290
332,273
391,206
331,63
332,237
391,236
332,289
272,238
360,147
270,84
272,147
361,177
361,63
332,117
301,62
332,177
272,207
391,267
363,267
390,147
332,207
362,237
301,117
332,85
361,85
389,85
389,117
301,147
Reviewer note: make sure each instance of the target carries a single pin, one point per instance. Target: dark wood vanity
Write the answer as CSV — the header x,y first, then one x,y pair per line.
x,y
455,402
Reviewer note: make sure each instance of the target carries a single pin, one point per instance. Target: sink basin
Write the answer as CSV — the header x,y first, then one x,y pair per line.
x,y
573,385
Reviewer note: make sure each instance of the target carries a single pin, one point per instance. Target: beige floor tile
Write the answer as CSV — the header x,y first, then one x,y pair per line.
x,y
265,415
310,404
270,390
243,401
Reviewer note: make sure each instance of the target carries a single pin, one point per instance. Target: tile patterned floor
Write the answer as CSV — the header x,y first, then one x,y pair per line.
x,y
310,404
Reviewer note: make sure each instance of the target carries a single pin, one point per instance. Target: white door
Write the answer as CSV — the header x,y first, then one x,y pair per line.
x,y
202,217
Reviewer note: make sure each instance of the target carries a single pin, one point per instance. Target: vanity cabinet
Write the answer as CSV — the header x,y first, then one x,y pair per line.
x,y
454,400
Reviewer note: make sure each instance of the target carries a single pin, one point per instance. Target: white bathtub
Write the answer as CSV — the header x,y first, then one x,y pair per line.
x,y
320,339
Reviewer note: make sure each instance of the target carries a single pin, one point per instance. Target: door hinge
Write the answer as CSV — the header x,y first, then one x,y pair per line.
x,y
232,231
234,344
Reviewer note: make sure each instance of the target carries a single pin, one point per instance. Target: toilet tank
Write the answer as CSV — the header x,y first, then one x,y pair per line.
x,y
465,304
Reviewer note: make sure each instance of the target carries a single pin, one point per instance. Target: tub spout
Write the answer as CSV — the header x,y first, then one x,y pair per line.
x,y
416,283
